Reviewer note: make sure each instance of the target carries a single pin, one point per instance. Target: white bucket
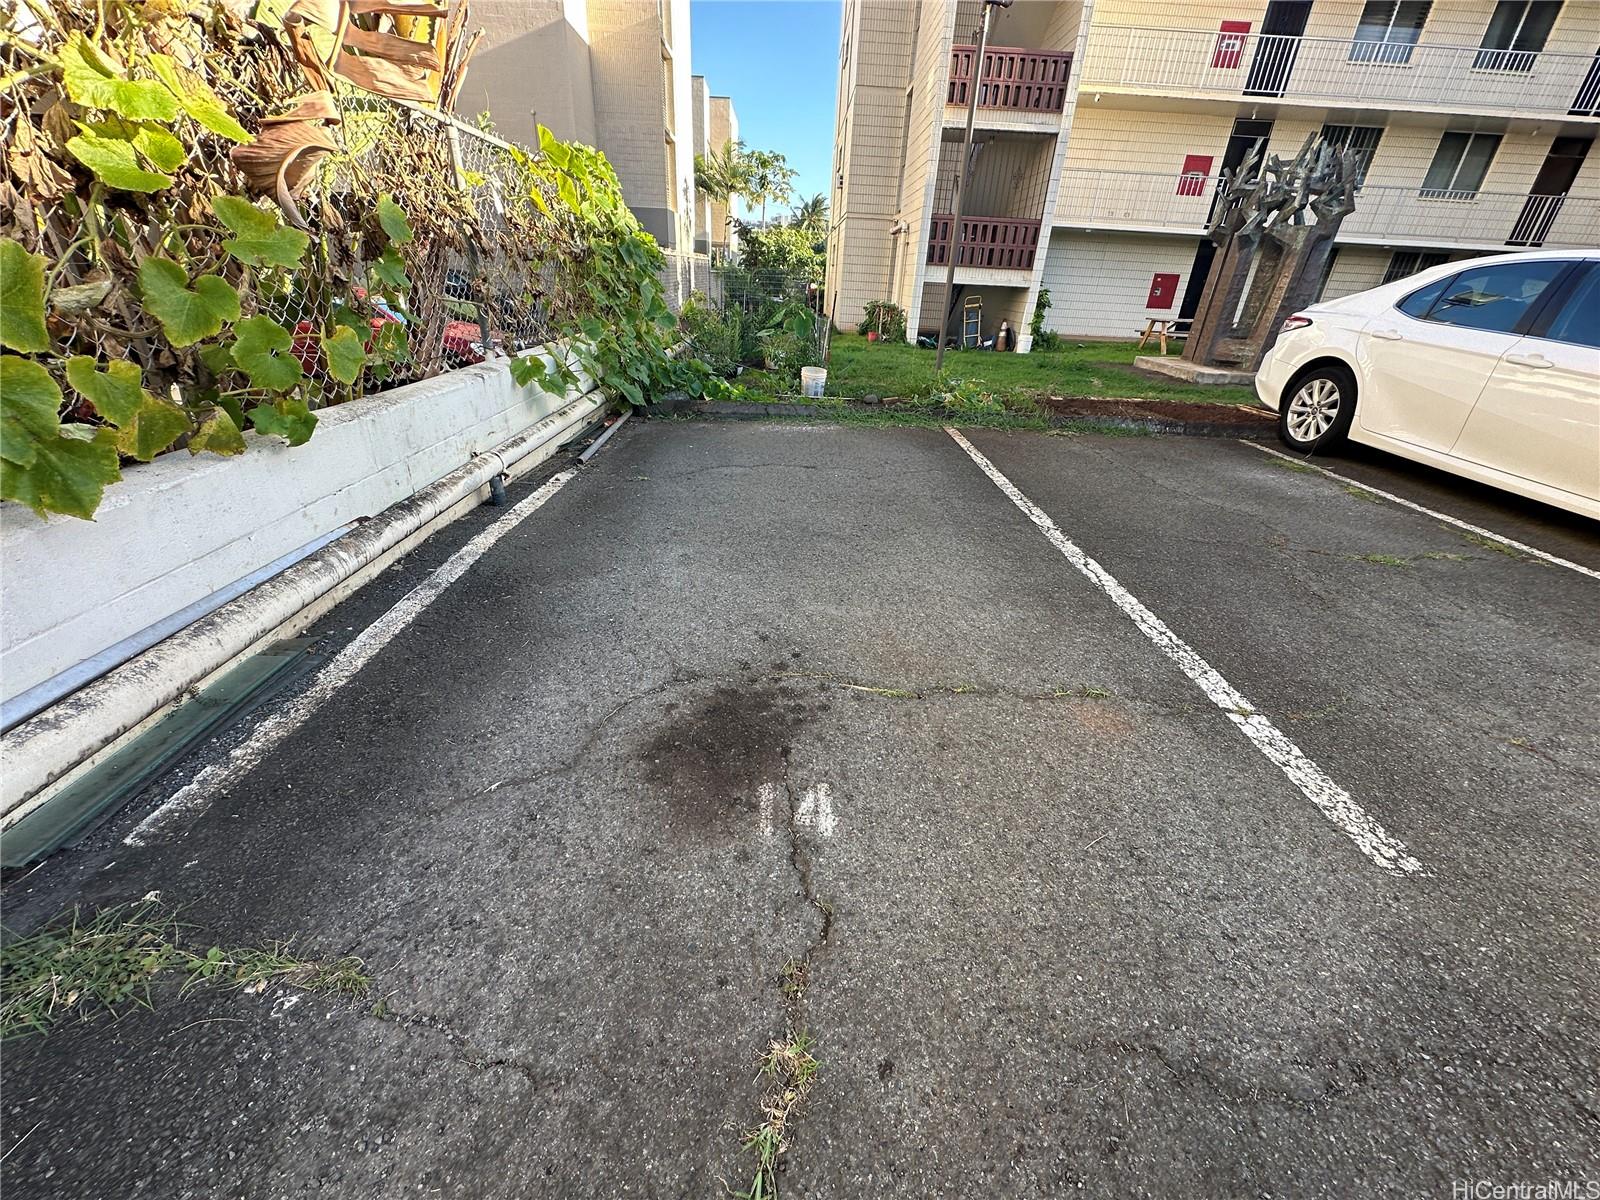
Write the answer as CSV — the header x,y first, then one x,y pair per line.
x,y
812,381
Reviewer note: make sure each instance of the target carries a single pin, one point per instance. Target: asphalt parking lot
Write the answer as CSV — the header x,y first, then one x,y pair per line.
x,y
1150,816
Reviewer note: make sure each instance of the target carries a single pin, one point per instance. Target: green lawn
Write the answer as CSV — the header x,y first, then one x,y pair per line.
x,y
857,367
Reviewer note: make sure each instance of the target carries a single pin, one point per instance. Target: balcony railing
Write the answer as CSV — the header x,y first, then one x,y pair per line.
x,y
1374,74
1393,215
1001,243
1019,80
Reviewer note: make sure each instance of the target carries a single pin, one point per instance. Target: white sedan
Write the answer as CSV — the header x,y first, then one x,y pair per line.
x,y
1487,368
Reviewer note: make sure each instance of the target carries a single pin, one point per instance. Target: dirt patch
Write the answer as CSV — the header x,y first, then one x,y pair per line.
x,y
1175,411
713,754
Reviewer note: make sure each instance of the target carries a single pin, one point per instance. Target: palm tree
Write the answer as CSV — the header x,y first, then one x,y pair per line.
x,y
768,176
811,215
722,175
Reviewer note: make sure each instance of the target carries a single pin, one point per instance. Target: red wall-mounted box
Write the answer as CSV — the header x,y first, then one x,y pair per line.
x,y
1230,44
1163,290
1196,168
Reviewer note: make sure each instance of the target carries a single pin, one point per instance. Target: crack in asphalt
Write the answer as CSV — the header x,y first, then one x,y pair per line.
x,y
800,863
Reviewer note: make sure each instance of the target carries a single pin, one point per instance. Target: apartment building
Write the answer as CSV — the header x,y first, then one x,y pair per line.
x,y
608,73
724,129
1103,129
715,125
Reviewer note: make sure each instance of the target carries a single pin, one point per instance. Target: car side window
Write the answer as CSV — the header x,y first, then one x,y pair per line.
x,y
1578,320
1420,301
1496,296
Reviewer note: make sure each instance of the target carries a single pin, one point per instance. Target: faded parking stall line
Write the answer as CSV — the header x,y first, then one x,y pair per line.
x,y
1332,800
196,795
1437,516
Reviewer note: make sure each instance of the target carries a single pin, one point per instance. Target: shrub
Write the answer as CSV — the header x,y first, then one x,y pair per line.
x,y
1043,339
715,337
780,250
885,318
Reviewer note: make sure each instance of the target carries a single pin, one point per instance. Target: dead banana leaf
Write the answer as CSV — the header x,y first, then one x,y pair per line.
x,y
394,80
313,106
288,146
397,8
394,49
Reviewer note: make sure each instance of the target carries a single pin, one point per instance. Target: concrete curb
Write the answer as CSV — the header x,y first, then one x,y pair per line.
x,y
48,750
745,410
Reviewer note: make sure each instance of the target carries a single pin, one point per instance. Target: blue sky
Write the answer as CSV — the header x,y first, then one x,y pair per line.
x,y
779,60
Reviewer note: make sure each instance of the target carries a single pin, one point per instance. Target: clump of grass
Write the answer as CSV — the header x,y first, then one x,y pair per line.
x,y
789,1069
1284,464
104,962
1490,544
1383,560
892,693
1362,494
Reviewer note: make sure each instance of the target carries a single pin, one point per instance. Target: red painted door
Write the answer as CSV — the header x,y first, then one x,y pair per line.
x,y
1163,290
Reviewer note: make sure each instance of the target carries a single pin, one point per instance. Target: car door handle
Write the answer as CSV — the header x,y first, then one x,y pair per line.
x,y
1389,335
1529,360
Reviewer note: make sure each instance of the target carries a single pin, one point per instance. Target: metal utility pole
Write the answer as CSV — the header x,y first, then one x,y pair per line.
x,y
961,177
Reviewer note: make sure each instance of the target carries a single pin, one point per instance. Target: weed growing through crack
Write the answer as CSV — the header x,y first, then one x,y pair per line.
x,y
1382,560
1497,547
1362,494
84,964
789,1069
1300,468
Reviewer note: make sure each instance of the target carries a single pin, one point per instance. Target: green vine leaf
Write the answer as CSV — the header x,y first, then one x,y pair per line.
x,y
115,163
48,466
146,425
218,433
260,238
390,268
262,352
93,82
22,299
531,369
158,147
345,354
393,219
198,100
289,418
186,315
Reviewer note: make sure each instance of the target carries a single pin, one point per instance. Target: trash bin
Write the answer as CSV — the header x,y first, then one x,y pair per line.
x,y
812,381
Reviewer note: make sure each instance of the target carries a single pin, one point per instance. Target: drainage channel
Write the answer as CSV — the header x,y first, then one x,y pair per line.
x,y
106,786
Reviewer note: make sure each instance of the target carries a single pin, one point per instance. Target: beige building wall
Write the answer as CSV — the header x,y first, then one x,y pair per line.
x,y
639,56
1099,281
724,128
876,46
532,68
700,102
607,73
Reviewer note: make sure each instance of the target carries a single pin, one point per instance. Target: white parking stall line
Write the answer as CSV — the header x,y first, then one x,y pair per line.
x,y
196,795
1428,512
1334,802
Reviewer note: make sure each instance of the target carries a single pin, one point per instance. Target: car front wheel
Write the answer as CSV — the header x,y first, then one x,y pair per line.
x,y
1317,410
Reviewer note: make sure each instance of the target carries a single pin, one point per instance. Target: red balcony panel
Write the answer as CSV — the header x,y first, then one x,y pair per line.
x,y
1003,243
1015,79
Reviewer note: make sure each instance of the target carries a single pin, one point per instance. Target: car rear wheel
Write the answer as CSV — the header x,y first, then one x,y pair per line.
x,y
1317,409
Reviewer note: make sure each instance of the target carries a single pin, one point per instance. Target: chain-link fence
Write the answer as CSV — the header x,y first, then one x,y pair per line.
x,y
479,296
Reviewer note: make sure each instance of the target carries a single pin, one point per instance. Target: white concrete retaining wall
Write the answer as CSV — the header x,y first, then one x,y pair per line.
x,y
178,529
